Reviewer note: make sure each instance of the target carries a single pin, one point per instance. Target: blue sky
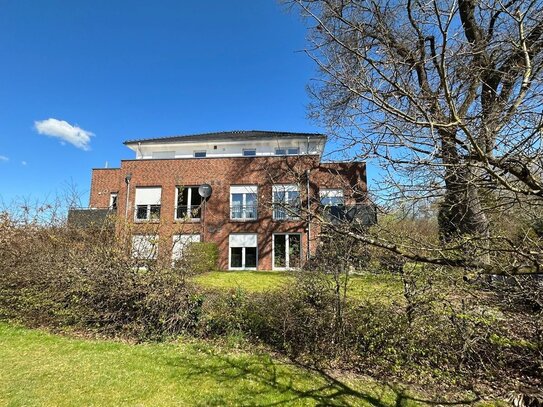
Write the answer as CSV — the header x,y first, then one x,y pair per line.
x,y
136,69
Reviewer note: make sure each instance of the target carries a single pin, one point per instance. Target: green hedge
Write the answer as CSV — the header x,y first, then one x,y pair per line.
x,y
202,257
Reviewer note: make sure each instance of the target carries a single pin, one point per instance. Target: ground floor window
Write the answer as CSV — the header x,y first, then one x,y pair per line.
x,y
145,247
243,251
180,244
287,250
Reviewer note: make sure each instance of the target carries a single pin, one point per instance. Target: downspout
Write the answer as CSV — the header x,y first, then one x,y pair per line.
x,y
307,172
127,180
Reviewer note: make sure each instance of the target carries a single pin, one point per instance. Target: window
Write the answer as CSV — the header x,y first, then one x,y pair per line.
x,y
331,197
280,151
113,201
293,151
243,202
148,203
249,152
180,244
287,251
243,251
188,203
286,202
200,154
145,247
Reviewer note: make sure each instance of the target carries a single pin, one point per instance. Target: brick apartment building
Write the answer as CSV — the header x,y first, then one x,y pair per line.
x,y
263,186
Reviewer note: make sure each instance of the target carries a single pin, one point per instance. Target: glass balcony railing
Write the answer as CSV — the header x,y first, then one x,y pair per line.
x,y
243,212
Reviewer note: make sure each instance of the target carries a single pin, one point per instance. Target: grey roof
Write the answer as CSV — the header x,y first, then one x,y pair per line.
x,y
235,135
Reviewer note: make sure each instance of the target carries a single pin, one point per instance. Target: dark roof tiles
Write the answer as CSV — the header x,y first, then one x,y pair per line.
x,y
236,135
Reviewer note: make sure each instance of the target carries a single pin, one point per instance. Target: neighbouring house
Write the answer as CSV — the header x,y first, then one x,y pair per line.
x,y
261,185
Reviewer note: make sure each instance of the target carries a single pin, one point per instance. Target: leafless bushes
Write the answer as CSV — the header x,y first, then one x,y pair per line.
x,y
61,277
439,328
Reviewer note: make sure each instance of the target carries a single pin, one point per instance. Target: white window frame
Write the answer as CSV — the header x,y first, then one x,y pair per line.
x,y
287,250
184,239
244,190
331,193
245,150
111,196
147,205
204,152
191,189
230,247
154,249
286,189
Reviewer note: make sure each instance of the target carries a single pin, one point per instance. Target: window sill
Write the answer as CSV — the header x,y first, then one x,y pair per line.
x,y
147,221
187,220
244,220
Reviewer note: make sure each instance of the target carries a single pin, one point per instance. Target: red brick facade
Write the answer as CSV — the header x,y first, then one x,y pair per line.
x,y
221,174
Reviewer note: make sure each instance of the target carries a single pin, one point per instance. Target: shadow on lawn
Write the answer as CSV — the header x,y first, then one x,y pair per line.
x,y
294,384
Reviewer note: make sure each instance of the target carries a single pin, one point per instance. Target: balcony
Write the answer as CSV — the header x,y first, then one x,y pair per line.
x,y
360,214
243,212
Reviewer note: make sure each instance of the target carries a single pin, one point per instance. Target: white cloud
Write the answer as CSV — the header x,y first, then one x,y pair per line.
x,y
4,158
65,131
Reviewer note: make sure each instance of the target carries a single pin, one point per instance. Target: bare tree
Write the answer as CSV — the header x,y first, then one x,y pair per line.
x,y
446,96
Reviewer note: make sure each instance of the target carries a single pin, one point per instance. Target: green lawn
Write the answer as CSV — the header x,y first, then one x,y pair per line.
x,y
382,287
41,369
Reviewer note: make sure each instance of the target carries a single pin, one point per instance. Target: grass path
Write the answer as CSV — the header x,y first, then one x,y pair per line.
x,y
42,369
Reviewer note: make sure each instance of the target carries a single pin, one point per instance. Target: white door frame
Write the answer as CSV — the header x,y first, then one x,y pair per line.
x,y
287,250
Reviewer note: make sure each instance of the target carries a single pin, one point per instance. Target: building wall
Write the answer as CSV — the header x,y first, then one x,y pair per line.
x,y
221,173
104,181
228,149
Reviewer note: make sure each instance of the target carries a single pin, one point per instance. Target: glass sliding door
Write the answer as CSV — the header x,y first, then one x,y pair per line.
x,y
287,250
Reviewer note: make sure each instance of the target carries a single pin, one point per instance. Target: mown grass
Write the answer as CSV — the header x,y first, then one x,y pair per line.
x,y
368,287
42,369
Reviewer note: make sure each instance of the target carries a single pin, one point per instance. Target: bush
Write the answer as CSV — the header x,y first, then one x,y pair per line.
x,y
444,329
201,257
62,277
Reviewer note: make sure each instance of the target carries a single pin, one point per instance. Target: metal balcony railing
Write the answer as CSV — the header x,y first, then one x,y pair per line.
x,y
286,211
362,214
243,212
147,213
188,212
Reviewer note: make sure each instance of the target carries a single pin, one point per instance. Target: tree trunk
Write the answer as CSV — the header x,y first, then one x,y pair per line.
x,y
461,212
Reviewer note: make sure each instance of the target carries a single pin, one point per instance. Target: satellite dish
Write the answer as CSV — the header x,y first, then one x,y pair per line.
x,y
205,190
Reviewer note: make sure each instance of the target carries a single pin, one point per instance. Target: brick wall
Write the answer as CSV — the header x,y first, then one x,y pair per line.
x,y
221,173
104,181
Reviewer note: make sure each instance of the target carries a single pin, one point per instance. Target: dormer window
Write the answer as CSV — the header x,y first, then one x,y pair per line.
x,y
293,151
287,151
200,154
249,152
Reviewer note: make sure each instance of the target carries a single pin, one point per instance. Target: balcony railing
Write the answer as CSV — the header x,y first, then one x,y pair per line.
x,y
243,212
147,213
286,211
362,214
193,213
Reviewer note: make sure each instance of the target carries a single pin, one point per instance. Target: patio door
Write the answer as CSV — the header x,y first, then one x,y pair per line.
x,y
287,251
